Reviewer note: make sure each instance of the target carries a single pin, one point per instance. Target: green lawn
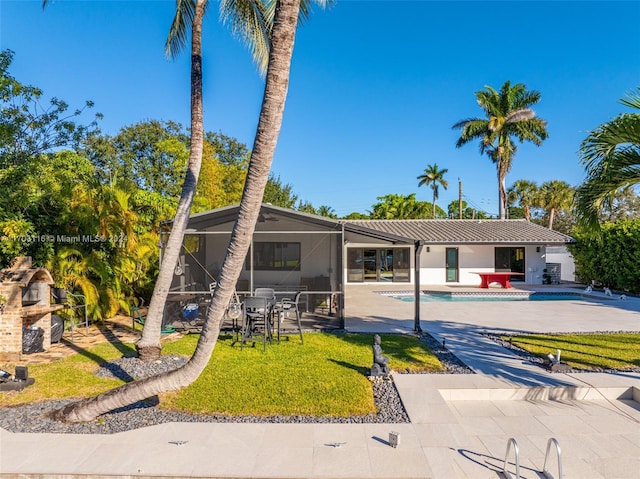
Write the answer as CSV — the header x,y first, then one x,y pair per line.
x,y
325,376
585,351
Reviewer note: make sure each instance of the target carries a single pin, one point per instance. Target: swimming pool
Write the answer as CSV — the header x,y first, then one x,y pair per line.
x,y
448,297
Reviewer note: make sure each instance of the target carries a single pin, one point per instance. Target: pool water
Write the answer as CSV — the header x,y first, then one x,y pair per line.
x,y
429,297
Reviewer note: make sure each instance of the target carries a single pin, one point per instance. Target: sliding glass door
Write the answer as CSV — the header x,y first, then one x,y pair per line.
x,y
378,265
511,259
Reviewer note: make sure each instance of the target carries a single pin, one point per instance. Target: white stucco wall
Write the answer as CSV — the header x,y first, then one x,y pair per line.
x,y
475,258
561,255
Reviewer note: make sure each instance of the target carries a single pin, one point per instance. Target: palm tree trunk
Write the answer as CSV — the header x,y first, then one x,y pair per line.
x,y
552,214
433,205
149,346
264,146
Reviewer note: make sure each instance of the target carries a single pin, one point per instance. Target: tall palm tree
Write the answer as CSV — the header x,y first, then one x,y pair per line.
x,y
611,157
555,195
268,130
251,19
524,192
508,116
433,177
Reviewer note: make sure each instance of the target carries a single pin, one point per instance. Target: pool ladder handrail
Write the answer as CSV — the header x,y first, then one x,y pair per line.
x,y
512,442
545,471
507,474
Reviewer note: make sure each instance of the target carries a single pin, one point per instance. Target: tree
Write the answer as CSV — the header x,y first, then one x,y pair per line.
x,y
611,157
508,116
251,21
468,213
269,123
433,177
152,154
278,194
400,207
555,195
27,128
524,193
327,211
356,216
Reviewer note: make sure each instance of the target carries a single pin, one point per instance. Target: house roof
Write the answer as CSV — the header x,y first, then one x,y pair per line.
x,y
447,231
467,231
228,214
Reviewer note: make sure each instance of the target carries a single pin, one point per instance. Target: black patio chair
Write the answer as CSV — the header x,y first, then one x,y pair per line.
x,y
256,320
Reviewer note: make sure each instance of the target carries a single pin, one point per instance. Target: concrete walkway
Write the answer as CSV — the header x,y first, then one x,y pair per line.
x,y
460,424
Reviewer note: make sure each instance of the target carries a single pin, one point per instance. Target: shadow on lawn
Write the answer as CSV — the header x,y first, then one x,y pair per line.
x,y
354,367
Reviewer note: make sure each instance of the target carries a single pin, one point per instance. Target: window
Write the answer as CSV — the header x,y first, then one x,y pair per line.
x,y
277,256
451,265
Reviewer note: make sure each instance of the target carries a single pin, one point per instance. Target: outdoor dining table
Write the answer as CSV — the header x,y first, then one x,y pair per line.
x,y
502,277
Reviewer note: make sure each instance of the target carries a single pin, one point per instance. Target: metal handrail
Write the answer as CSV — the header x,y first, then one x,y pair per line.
x,y
506,473
545,471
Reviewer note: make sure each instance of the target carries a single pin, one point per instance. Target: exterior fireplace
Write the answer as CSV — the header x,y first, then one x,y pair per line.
x,y
27,291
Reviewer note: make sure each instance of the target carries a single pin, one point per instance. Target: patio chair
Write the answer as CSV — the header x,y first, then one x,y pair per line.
x,y
288,306
268,293
256,320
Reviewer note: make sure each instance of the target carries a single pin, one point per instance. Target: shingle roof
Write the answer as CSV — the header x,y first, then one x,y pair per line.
x,y
467,231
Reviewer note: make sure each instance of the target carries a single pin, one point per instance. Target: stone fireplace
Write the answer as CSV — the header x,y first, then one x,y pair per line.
x,y
27,291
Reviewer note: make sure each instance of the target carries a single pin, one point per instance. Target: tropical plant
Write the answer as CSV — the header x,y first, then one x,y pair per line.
x,y
609,255
433,177
554,195
327,211
611,157
269,124
508,116
524,193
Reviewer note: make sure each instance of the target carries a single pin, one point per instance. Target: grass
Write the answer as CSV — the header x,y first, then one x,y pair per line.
x,y
325,376
585,351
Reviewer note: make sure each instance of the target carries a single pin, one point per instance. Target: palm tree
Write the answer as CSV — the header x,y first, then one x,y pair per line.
x,y
508,115
611,157
524,192
433,177
555,195
268,130
249,18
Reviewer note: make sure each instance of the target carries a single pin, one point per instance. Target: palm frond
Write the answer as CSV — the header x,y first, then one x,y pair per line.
x,y
472,128
180,27
623,132
632,99
251,21
519,115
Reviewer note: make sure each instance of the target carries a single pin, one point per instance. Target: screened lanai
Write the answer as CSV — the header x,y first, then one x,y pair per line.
x,y
290,252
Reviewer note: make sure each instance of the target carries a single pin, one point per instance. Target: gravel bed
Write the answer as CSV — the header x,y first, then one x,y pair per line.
x,y
33,418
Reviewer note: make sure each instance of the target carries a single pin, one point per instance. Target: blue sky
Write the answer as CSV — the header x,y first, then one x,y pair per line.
x,y
375,85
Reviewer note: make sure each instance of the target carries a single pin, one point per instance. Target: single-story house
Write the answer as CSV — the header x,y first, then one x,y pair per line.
x,y
294,251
